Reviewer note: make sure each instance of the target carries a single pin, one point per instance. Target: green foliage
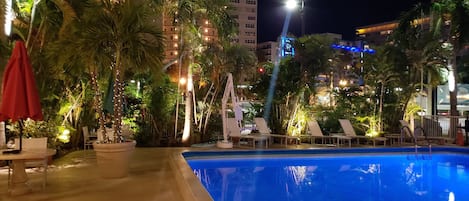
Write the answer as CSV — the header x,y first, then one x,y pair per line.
x,y
157,113
370,125
35,129
313,53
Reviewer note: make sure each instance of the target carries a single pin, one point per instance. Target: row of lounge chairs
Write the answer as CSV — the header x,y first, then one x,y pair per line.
x,y
348,135
315,135
263,134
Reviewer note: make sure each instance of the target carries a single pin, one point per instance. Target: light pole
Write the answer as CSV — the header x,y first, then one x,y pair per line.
x,y
302,15
292,5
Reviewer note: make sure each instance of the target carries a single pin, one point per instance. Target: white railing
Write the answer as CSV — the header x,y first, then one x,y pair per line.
x,y
439,125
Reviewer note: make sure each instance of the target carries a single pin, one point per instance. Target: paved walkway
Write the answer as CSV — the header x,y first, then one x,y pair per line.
x,y
155,174
74,177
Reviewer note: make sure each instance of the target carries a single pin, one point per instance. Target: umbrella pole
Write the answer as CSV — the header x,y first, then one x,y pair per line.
x,y
20,122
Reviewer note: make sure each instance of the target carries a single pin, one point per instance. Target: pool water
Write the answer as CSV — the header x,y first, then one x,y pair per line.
x,y
349,177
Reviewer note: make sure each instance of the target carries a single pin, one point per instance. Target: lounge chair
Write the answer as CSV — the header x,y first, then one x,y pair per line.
x,y
263,129
407,134
234,131
314,132
350,132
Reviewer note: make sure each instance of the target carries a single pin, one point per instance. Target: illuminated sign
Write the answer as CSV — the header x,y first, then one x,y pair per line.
x,y
287,47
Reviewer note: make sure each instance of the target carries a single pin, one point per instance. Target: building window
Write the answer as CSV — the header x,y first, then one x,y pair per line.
x,y
252,2
249,26
234,1
250,33
251,18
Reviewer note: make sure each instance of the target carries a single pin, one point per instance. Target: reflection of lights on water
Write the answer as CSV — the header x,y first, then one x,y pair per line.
x,y
298,172
451,196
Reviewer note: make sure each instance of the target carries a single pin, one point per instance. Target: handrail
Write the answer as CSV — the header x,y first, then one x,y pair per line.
x,y
402,133
423,132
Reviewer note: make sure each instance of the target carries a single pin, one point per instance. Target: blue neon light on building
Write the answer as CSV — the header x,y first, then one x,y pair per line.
x,y
354,49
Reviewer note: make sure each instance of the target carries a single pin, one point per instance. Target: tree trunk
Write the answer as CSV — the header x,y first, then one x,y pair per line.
x,y
380,117
453,102
118,96
98,101
188,108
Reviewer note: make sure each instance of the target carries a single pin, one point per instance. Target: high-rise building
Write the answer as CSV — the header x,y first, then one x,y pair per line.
x,y
245,13
172,34
267,51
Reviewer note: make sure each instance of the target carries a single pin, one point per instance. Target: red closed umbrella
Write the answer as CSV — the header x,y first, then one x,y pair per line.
x,y
20,99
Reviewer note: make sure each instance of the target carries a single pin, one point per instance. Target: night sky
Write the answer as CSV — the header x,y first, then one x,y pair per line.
x,y
333,16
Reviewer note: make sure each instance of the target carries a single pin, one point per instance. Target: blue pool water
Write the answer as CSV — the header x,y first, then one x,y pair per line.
x,y
384,176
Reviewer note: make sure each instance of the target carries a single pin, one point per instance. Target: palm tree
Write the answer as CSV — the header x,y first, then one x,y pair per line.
x,y
450,22
422,52
380,72
189,14
117,37
312,53
216,61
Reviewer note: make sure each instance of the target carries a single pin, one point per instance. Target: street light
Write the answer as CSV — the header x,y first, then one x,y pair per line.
x,y
292,5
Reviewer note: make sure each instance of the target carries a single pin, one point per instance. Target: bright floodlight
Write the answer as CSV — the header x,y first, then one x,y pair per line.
x,y
291,4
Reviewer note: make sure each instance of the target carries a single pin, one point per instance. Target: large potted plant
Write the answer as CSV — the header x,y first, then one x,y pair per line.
x,y
118,37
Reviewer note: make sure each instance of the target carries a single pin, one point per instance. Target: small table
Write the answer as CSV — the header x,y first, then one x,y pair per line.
x,y
19,178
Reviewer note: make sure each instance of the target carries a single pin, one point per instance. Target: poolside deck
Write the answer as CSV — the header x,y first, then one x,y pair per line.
x,y
74,177
154,175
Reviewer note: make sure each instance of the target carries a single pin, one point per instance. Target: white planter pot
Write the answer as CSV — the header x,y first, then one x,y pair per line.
x,y
113,159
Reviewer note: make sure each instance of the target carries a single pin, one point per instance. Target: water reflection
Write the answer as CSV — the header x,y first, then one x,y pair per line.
x,y
351,179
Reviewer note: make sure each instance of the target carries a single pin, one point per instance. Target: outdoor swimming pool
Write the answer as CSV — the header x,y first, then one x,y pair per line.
x,y
393,174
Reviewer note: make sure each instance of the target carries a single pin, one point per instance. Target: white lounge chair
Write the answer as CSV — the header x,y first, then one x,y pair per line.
x,y
263,129
314,132
234,131
350,132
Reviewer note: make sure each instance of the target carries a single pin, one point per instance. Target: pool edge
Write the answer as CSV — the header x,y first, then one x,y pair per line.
x,y
190,187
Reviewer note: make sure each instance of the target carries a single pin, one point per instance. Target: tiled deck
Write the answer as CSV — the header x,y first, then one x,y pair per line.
x,y
155,174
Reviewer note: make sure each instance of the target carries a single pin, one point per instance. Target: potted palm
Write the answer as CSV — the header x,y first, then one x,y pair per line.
x,y
115,37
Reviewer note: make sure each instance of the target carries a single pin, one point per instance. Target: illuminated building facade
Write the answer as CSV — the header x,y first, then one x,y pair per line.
x,y
245,13
377,34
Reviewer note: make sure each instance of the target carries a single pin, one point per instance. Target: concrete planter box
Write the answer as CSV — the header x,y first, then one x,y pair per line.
x,y
113,159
